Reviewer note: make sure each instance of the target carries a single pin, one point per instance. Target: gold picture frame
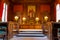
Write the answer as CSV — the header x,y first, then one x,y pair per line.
x,y
31,10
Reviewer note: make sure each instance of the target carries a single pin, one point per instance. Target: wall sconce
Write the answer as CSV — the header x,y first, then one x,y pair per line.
x,y
46,18
16,18
37,19
24,19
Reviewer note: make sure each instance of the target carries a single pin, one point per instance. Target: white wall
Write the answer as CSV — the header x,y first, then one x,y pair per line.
x,y
57,12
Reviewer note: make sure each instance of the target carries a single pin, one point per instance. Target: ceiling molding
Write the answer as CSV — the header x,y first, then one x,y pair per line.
x,y
31,1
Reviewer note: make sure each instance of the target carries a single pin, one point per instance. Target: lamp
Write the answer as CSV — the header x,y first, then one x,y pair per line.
x,y
37,19
24,19
16,18
46,18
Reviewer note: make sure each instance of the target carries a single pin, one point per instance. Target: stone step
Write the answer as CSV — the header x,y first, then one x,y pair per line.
x,y
30,35
30,32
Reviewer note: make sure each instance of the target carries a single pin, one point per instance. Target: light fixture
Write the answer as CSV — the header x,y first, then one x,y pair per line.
x,y
37,19
16,18
24,19
46,18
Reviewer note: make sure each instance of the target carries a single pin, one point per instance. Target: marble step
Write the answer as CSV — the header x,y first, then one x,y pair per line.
x,y
30,32
30,35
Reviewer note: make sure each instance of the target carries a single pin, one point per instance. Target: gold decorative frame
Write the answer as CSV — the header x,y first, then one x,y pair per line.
x,y
31,10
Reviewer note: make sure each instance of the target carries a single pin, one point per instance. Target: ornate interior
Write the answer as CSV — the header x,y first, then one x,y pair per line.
x,y
30,10
31,14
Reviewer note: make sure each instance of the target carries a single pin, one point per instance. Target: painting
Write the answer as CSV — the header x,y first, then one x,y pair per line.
x,y
31,10
31,13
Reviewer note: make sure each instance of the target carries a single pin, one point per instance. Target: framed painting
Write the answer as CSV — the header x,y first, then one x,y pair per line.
x,y
31,10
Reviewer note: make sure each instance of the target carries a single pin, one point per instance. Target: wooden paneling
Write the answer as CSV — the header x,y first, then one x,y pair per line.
x,y
27,1
0,1
57,1
27,26
10,12
41,7
43,10
18,8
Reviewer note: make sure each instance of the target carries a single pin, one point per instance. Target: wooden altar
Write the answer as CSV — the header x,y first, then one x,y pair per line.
x,y
27,26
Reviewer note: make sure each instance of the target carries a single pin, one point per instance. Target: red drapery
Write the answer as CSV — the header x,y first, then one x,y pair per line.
x,y
1,9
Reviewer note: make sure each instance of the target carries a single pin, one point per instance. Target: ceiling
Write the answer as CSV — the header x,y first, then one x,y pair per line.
x,y
30,1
